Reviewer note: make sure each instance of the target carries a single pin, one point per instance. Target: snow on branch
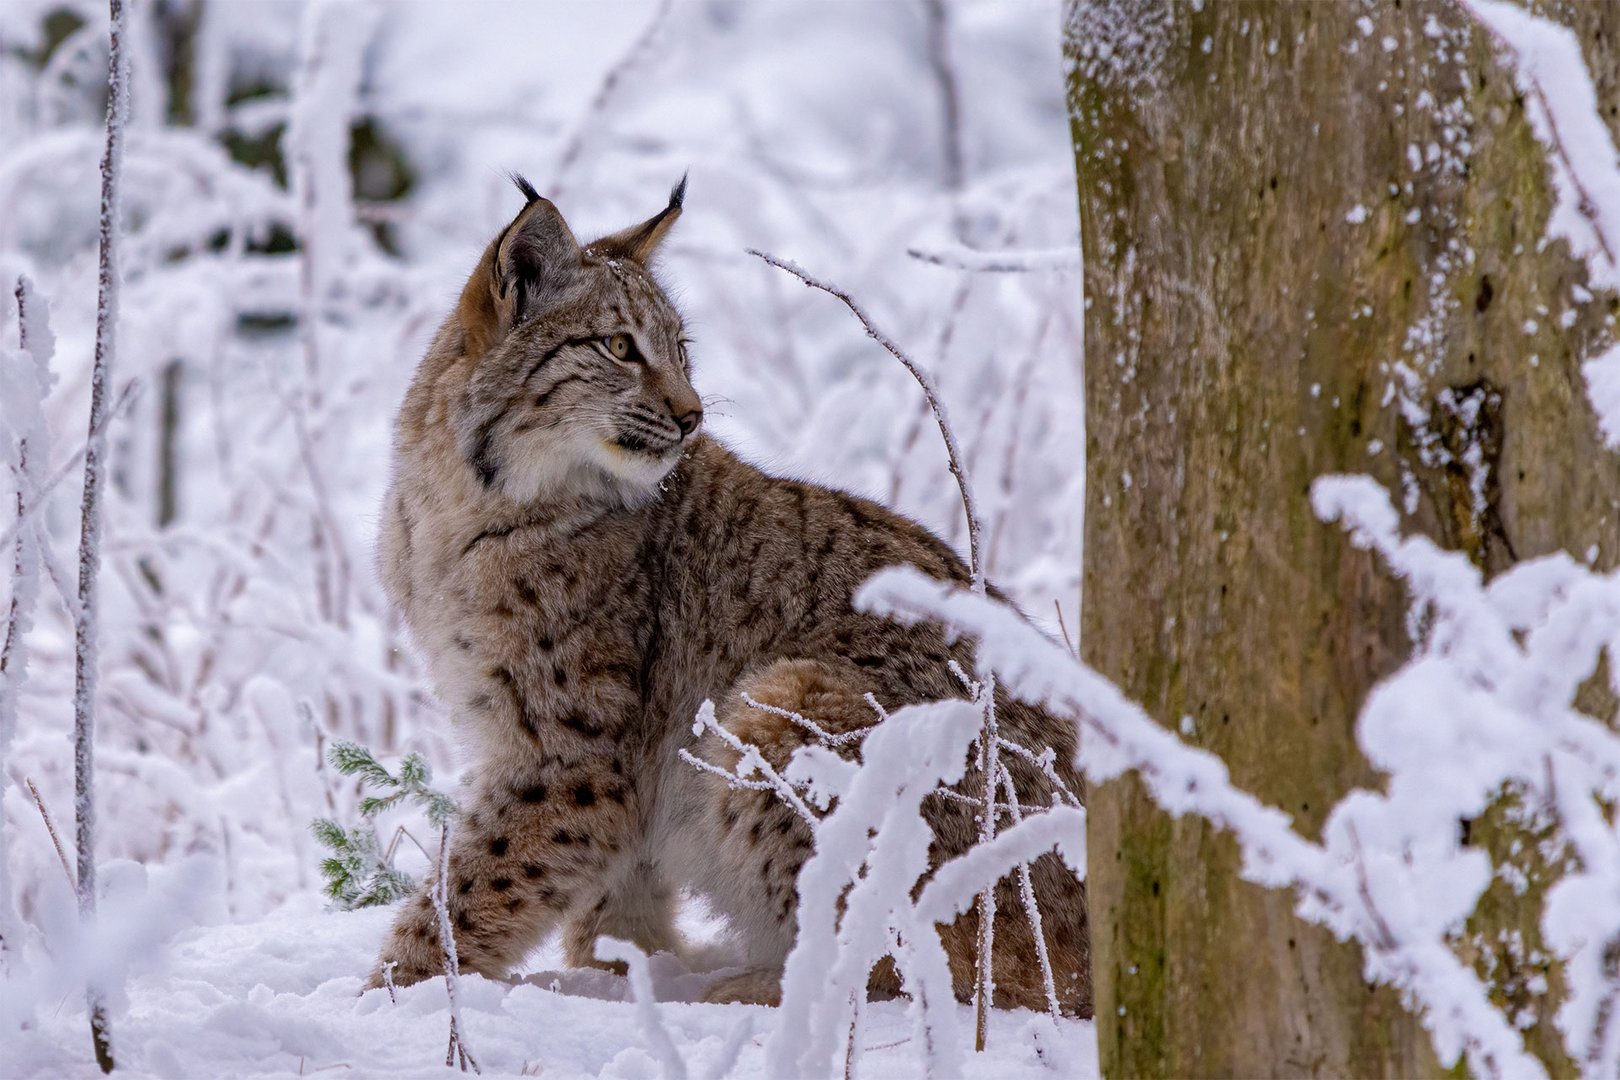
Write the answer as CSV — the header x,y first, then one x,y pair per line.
x,y
641,992
999,262
1493,688
1026,889
25,379
1561,103
1562,106
749,762
848,920
858,892
1351,889
953,889
1603,388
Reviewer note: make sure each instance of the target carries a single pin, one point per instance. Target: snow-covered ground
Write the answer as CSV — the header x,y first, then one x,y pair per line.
x,y
280,996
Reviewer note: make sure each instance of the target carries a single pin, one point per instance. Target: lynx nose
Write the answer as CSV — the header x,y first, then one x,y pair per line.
x,y
689,422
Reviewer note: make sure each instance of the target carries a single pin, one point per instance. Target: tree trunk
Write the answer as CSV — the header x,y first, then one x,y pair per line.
x,y
1313,238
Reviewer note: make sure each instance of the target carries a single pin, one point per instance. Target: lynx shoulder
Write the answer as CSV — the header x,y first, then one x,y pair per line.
x,y
582,567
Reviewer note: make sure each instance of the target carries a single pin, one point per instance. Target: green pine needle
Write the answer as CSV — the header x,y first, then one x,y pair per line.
x,y
357,873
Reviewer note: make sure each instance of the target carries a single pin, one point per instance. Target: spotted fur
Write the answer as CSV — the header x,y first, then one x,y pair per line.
x,y
582,568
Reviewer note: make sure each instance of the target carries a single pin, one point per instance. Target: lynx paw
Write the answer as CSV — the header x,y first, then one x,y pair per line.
x,y
757,986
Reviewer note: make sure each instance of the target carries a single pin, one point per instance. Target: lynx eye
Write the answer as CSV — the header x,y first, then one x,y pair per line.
x,y
619,346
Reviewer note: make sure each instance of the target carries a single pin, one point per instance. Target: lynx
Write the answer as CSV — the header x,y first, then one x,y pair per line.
x,y
582,567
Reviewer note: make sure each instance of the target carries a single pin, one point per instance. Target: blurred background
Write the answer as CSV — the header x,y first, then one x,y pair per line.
x,y
307,187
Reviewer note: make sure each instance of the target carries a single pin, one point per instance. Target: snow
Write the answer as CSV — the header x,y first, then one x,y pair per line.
x,y
1602,374
281,997
1562,105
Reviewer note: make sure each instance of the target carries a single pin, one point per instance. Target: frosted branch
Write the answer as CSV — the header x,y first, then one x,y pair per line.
x,y
733,781
956,885
641,993
1550,69
1032,909
999,262
38,493
85,652
924,380
985,694
827,738
749,761
452,963
1118,736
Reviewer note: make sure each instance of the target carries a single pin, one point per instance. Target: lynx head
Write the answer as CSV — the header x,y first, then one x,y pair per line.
x,y
581,387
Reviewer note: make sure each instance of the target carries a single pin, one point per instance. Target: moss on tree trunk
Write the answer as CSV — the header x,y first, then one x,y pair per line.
x,y
1314,243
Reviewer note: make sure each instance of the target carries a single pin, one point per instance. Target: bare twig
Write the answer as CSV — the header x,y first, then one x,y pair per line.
x,y
950,100
50,827
809,725
985,694
95,450
126,397
1063,629
1032,910
1042,260
452,965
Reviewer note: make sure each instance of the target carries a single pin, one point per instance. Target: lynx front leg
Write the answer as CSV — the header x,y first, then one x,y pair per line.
x,y
531,851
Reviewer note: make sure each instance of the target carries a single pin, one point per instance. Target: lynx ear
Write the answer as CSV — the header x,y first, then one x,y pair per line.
x,y
529,264
535,258
639,241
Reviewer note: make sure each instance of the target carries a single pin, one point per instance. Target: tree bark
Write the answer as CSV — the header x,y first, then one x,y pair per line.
x,y
1314,244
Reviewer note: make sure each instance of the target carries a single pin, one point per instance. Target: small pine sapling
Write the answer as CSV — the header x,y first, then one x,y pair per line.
x,y
360,872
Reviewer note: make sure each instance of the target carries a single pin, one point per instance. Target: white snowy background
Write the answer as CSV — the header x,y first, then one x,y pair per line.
x,y
242,627
271,318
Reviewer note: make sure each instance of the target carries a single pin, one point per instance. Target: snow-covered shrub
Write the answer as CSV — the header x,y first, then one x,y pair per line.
x,y
859,896
1491,690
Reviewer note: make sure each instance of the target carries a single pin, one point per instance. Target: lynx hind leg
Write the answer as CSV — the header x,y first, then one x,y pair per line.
x,y
759,844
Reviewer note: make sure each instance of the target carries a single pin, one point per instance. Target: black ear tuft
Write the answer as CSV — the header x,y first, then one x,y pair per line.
x,y
639,241
531,195
534,258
